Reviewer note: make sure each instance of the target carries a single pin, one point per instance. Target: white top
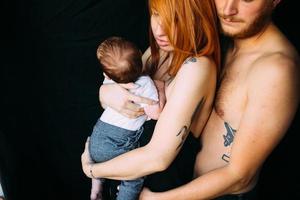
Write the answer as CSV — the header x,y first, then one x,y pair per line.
x,y
146,89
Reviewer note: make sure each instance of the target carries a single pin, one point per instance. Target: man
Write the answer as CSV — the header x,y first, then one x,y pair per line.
x,y
255,104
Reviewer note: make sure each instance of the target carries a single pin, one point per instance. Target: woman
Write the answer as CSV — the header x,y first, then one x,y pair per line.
x,y
184,53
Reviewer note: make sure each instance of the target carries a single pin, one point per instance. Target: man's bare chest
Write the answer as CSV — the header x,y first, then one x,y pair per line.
x,y
231,95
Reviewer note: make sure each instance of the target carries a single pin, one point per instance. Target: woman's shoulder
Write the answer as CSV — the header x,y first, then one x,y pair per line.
x,y
197,76
202,66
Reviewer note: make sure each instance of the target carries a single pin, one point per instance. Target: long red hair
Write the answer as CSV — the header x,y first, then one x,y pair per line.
x,y
191,26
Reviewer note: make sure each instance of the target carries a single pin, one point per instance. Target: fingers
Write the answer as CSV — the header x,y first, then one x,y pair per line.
x,y
132,110
139,99
133,107
133,114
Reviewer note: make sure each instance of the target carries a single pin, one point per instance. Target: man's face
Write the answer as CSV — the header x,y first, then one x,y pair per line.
x,y
243,18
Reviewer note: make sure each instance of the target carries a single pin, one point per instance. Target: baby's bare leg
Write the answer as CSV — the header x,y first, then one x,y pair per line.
x,y
96,191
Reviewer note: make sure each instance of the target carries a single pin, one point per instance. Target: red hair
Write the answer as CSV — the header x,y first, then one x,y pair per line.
x,y
191,26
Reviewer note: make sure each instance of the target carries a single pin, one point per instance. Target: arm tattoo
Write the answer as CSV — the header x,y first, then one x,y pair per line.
x,y
184,130
228,138
191,59
183,134
225,158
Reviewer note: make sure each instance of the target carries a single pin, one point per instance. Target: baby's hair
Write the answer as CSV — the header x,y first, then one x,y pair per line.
x,y
120,59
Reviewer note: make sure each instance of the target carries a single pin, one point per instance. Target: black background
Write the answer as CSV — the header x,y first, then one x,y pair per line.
x,y
49,79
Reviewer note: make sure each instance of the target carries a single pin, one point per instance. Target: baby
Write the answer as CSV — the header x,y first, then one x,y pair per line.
x,y
115,134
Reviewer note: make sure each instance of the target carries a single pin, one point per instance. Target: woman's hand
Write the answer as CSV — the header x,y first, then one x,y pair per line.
x,y
120,99
86,160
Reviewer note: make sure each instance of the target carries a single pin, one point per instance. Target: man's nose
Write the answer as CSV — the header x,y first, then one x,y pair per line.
x,y
230,7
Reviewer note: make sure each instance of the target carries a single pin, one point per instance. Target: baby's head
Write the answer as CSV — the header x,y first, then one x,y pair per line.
x,y
120,59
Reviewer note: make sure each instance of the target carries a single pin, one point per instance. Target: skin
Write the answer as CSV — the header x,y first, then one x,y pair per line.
x,y
153,111
196,79
254,106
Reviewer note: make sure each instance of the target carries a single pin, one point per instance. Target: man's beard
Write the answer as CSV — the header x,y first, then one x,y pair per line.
x,y
252,29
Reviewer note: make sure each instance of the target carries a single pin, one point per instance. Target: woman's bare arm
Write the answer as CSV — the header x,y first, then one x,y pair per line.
x,y
188,92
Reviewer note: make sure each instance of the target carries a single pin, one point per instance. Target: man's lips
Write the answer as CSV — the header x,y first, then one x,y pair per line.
x,y
229,21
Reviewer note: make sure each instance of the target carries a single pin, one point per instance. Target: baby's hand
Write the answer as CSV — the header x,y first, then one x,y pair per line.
x,y
153,111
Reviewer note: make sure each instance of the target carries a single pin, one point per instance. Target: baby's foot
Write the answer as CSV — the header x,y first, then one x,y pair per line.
x,y
96,191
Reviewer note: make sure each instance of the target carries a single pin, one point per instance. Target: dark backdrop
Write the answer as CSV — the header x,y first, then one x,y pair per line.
x,y
49,89
49,79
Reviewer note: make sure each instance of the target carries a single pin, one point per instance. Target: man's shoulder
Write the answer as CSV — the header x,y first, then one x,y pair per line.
x,y
274,64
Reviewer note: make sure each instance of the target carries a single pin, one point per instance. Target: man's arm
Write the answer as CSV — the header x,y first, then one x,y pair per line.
x,y
171,129
272,102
